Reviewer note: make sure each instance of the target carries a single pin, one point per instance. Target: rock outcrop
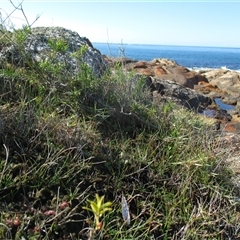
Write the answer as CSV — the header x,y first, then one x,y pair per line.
x,y
193,89
179,94
167,70
168,81
36,47
169,91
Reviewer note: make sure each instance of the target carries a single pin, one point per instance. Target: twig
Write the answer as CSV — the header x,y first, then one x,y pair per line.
x,y
8,16
21,9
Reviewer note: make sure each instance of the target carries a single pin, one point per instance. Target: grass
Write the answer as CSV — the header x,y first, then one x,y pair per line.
x,y
65,139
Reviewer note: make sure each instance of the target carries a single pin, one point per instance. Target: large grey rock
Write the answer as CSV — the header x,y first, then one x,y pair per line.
x,y
168,89
36,46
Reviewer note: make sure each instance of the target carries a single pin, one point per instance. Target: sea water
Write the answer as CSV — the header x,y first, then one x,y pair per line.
x,y
192,57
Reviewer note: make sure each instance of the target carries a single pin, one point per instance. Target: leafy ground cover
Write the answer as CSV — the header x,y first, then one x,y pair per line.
x,y
94,158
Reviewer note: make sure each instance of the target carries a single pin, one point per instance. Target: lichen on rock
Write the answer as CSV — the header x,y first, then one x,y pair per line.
x,y
36,46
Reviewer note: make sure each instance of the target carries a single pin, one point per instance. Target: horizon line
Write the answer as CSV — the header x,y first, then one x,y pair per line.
x,y
174,45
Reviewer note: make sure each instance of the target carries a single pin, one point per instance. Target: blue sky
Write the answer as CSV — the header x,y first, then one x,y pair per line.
x,y
187,23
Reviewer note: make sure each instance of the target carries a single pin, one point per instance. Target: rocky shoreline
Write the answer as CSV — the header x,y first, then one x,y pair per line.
x,y
213,92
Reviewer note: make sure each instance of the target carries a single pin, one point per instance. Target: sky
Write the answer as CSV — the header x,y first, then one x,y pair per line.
x,y
184,23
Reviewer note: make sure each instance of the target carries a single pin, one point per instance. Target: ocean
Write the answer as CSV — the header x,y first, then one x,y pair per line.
x,y
187,56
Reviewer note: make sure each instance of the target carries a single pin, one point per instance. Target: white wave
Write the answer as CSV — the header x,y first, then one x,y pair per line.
x,y
200,69
225,68
206,69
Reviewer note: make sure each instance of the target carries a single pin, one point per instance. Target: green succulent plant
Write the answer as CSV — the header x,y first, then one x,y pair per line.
x,y
98,208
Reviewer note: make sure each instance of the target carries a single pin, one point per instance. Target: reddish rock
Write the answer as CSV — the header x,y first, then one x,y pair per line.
x,y
177,69
189,75
201,78
208,88
145,71
229,127
158,71
178,78
167,70
140,64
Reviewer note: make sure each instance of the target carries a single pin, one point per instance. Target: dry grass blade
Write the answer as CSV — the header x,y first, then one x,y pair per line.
x,y
6,161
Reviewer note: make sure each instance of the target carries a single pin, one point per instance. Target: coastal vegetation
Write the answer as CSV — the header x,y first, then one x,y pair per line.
x,y
93,157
